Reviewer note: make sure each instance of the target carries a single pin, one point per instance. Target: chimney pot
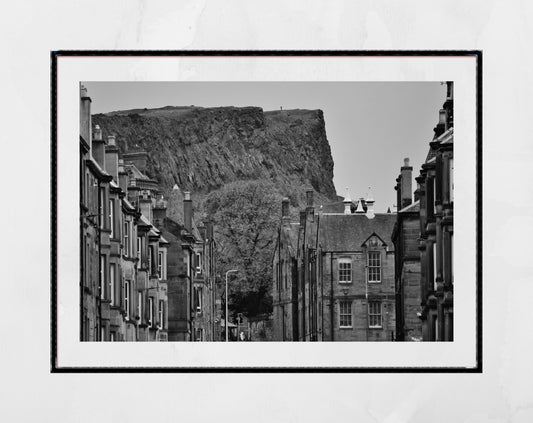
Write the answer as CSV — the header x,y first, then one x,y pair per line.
x,y
347,202
449,90
406,185
97,135
110,140
187,211
442,116
370,204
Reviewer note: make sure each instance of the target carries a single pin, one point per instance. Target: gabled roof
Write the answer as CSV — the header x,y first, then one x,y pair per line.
x,y
347,232
373,234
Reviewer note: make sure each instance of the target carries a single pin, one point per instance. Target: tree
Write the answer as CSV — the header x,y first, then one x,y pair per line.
x,y
246,215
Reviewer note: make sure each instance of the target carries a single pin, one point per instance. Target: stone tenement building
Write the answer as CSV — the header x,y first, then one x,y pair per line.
x,y
143,277
191,274
406,236
334,274
424,278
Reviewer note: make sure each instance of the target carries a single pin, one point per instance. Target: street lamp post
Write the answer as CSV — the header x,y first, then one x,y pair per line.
x,y
227,301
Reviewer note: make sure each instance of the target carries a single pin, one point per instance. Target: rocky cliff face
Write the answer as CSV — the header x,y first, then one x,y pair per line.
x,y
202,149
217,152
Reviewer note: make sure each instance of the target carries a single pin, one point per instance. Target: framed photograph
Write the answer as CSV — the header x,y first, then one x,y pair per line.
x,y
266,211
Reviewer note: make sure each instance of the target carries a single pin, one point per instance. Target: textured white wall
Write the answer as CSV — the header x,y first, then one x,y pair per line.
x,y
504,392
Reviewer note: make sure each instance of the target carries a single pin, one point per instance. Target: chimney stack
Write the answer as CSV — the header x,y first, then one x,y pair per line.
x,y
347,203
449,90
122,176
370,205
85,115
111,157
144,202
187,211
159,211
406,184
98,147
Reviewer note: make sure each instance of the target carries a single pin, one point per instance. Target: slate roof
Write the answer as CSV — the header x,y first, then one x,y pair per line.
x,y
337,207
171,229
347,232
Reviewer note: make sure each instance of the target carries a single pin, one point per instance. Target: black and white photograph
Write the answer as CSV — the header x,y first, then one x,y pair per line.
x,y
273,212
266,211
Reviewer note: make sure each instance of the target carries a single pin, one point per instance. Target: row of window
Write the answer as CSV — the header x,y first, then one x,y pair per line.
x,y
344,270
151,322
373,268
126,294
442,179
375,319
447,247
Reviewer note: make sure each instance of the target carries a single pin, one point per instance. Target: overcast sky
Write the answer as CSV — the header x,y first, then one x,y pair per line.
x,y
371,126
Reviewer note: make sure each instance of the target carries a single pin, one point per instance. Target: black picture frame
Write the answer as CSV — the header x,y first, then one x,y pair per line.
x,y
477,54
